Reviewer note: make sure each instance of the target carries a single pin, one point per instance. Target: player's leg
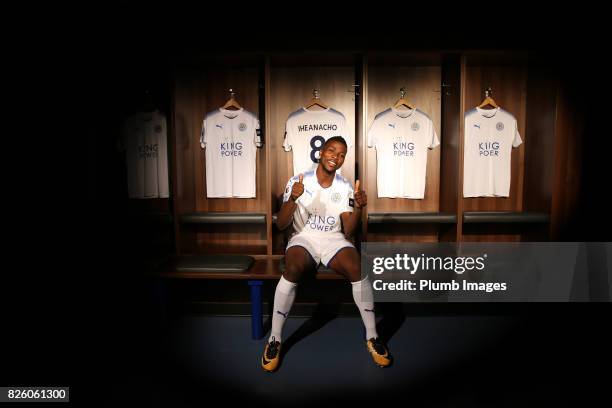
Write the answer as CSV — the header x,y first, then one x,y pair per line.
x,y
347,262
297,261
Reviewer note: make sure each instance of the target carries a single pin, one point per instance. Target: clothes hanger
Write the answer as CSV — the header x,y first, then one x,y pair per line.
x,y
232,102
402,101
488,100
316,101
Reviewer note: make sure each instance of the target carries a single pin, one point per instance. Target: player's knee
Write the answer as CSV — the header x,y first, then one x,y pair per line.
x,y
293,272
353,272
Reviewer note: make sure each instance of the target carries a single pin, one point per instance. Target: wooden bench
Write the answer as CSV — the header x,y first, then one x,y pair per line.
x,y
254,270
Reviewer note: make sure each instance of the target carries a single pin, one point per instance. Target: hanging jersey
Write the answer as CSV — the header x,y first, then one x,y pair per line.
x,y
230,139
490,135
146,145
307,130
401,139
318,209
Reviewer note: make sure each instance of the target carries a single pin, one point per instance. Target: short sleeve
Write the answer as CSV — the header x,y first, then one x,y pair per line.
x,y
432,138
257,133
288,141
348,201
517,137
203,134
373,132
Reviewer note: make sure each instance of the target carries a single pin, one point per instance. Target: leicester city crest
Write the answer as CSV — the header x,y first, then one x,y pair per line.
x,y
415,126
499,126
242,127
336,197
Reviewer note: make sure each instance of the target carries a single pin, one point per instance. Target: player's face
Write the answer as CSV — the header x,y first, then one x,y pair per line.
x,y
332,156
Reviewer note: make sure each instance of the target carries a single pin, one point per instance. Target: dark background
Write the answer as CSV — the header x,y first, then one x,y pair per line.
x,y
75,304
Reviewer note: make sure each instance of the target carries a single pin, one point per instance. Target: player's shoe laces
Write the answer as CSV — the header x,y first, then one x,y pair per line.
x,y
270,358
379,352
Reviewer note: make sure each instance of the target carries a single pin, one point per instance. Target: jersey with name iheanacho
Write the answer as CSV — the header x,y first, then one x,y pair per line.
x,y
307,130
490,135
318,208
231,139
401,139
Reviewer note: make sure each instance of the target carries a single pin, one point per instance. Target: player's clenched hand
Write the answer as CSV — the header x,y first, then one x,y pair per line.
x,y
361,199
298,189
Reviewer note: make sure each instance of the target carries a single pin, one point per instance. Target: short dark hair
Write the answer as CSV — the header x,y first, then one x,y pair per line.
x,y
339,139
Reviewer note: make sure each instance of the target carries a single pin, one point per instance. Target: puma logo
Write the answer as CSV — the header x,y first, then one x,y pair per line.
x,y
283,314
368,310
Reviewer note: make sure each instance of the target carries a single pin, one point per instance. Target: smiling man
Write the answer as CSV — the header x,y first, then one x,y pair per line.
x,y
324,210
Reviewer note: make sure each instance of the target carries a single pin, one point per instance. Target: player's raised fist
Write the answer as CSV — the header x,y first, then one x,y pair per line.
x,y
361,199
298,188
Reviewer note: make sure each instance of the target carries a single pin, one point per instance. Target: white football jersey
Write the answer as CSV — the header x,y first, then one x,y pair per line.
x,y
318,209
490,135
307,130
146,145
231,138
401,139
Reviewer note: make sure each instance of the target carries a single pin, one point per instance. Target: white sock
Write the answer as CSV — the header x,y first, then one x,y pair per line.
x,y
283,300
363,290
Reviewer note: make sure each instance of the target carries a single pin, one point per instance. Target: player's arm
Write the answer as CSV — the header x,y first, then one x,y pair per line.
x,y
351,220
285,215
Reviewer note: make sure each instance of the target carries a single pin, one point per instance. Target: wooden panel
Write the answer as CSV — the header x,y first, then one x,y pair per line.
x,y
539,153
423,90
570,132
198,92
450,139
360,143
262,269
462,109
268,174
493,232
227,239
291,88
362,117
423,86
214,93
185,120
509,91
405,232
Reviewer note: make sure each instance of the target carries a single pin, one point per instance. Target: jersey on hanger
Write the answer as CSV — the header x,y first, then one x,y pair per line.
x,y
146,145
401,139
490,135
307,130
318,209
230,138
